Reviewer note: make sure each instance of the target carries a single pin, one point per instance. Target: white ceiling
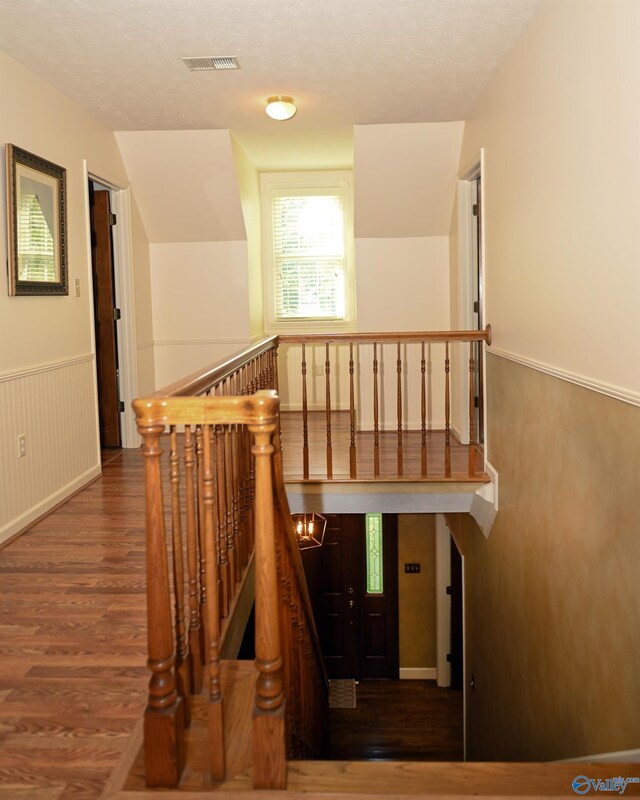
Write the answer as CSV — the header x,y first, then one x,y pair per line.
x,y
346,62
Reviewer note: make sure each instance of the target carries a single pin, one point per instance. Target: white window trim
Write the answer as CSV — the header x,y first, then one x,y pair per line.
x,y
274,183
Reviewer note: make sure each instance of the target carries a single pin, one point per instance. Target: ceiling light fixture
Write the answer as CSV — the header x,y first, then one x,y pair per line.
x,y
310,529
280,107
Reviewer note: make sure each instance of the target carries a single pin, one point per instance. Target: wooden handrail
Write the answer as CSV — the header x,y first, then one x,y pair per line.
x,y
414,336
225,495
199,382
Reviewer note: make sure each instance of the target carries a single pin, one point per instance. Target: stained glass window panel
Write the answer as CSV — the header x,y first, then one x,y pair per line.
x,y
373,528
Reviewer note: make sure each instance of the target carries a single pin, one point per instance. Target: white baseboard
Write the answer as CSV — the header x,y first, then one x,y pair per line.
x,y
16,526
418,673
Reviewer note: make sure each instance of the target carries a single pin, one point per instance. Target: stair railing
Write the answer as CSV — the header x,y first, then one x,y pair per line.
x,y
397,390
201,528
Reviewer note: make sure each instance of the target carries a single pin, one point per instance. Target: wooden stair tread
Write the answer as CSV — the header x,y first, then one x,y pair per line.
x,y
237,680
340,780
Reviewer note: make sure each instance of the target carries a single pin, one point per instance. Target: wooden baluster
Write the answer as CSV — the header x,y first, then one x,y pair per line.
x,y
231,545
399,410
235,492
376,431
423,414
472,412
223,554
195,652
275,376
327,372
182,649
353,470
164,743
305,418
447,415
212,626
201,540
269,743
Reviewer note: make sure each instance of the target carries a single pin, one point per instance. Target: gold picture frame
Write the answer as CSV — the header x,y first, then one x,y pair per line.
x,y
36,224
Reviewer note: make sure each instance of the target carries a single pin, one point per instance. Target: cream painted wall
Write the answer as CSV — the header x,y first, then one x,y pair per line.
x,y
417,591
552,597
47,372
144,313
185,184
405,178
403,285
560,124
200,305
249,187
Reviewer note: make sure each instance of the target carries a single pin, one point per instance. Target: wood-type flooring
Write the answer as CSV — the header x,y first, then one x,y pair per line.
x,y
73,678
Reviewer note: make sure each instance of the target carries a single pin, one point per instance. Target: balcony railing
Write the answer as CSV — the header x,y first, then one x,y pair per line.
x,y
215,499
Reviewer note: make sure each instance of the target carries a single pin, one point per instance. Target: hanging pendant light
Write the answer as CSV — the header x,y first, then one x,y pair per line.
x,y
310,529
280,107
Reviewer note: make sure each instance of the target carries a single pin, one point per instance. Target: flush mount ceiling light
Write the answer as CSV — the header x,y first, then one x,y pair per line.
x,y
280,107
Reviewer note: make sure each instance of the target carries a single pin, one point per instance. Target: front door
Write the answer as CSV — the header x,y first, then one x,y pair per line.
x,y
353,582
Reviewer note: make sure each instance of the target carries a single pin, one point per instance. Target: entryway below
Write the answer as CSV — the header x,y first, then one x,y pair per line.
x,y
399,721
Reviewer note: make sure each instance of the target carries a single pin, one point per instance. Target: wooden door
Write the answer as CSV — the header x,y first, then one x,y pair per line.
x,y
456,656
105,317
358,629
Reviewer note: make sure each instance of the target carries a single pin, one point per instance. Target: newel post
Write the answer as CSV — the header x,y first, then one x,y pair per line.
x,y
164,743
269,730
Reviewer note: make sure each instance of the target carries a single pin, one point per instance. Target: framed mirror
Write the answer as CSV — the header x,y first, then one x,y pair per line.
x,y
36,224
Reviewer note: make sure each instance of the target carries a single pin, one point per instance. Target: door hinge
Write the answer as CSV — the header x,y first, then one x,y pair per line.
x,y
448,590
476,306
121,406
113,220
476,209
449,658
116,313
476,402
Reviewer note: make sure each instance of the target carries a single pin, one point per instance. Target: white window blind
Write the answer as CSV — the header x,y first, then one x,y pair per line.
x,y
308,256
36,260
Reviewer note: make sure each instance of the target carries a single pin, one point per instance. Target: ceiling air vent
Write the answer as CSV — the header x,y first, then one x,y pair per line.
x,y
211,62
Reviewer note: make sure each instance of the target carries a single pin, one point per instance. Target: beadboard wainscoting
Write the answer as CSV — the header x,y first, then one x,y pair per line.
x,y
53,406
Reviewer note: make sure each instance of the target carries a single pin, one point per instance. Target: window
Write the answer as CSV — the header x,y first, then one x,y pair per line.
x,y
373,530
308,241
36,259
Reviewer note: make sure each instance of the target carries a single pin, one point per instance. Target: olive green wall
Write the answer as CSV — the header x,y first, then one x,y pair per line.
x,y
416,591
553,595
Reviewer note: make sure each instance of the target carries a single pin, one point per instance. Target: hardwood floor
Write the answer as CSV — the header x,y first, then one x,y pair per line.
x,y
72,639
291,437
73,679
399,721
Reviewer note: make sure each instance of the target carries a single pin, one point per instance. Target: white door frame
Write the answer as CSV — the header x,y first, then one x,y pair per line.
x,y
125,299
467,268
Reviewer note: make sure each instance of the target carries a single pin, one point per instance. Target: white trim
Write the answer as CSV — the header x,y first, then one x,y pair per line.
x,y
620,757
617,392
125,298
443,601
418,673
466,269
89,294
145,345
49,366
484,506
34,513
276,184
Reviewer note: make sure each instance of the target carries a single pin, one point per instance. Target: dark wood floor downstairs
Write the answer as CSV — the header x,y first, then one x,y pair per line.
x,y
72,652
399,721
